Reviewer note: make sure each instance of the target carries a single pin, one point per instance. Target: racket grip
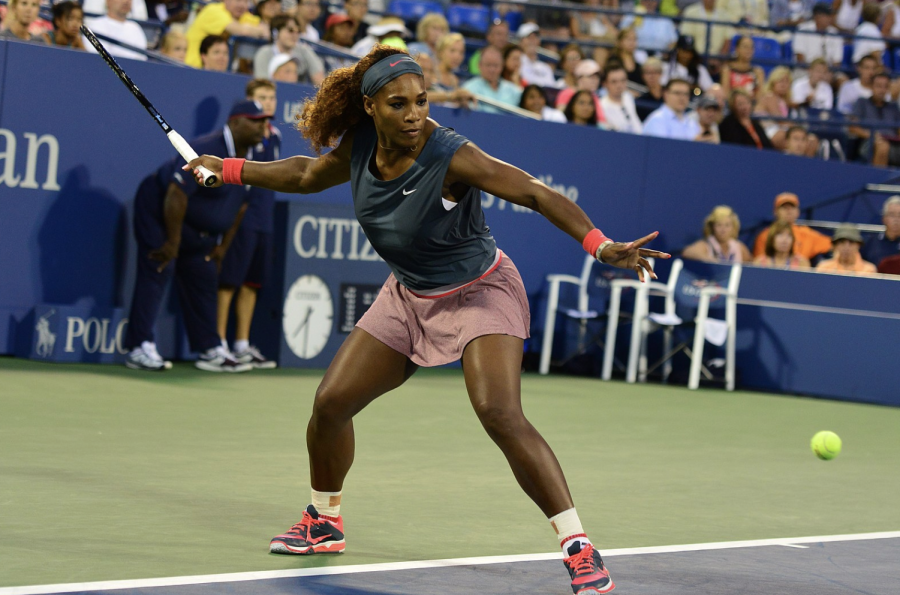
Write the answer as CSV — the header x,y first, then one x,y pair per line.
x,y
188,154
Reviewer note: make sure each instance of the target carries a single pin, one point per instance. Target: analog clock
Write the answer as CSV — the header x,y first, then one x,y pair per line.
x,y
308,316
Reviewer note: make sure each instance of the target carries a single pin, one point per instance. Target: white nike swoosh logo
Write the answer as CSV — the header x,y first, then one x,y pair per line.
x,y
405,193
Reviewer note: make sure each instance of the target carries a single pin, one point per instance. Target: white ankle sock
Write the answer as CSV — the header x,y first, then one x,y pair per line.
x,y
568,529
240,346
327,503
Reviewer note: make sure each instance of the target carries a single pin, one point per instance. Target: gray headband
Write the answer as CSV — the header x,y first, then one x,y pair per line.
x,y
386,70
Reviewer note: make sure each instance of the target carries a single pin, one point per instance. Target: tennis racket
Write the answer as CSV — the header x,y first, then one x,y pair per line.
x,y
181,145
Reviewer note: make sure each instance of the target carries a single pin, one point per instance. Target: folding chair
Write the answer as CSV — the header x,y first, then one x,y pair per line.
x,y
706,293
640,321
582,313
691,293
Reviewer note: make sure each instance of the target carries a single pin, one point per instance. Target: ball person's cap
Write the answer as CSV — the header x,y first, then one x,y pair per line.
x,y
248,109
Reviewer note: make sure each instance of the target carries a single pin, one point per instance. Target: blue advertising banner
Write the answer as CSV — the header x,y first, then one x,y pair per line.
x,y
58,333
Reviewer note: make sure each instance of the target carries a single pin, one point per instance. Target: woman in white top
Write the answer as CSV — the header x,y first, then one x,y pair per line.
x,y
451,51
307,13
874,45
890,26
847,14
429,31
535,100
685,64
719,243
592,25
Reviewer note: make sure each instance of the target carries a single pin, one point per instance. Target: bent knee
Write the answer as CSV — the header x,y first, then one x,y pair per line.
x,y
501,421
332,404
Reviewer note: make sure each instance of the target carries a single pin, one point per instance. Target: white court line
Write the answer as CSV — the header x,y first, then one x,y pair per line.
x,y
385,567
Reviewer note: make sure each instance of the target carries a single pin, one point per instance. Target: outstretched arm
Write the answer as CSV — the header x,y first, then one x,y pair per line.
x,y
303,175
474,167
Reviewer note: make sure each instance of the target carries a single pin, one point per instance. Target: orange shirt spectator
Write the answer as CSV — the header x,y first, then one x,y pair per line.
x,y
808,242
847,258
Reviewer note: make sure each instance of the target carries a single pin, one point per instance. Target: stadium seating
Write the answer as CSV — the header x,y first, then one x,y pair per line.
x,y
767,51
468,18
413,10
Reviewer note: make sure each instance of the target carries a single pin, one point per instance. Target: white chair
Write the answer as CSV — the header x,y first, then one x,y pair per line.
x,y
581,313
640,326
706,329
700,332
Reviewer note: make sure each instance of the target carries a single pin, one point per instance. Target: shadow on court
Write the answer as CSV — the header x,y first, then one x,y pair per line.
x,y
867,567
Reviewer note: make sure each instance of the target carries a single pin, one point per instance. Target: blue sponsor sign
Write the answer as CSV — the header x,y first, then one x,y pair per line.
x,y
76,334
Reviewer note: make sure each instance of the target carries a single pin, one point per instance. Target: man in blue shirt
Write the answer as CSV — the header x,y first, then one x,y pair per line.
x,y
490,84
183,230
887,243
670,119
246,265
882,144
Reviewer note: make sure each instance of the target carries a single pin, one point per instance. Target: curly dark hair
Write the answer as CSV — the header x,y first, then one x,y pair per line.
x,y
338,104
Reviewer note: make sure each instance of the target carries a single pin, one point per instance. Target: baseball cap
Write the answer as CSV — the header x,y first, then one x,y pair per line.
x,y
822,8
388,25
787,198
847,232
526,29
336,19
280,60
587,68
686,42
247,108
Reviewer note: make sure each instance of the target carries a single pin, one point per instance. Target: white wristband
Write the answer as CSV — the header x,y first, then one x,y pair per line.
x,y
600,250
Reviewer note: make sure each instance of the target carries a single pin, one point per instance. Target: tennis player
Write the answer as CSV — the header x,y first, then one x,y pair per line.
x,y
452,293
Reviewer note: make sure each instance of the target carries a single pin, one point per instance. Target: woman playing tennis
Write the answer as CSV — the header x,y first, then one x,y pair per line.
x,y
452,293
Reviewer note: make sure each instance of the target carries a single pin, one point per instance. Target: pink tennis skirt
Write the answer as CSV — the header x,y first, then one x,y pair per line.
x,y
433,331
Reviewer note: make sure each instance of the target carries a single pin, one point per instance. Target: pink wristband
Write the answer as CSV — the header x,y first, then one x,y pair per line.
x,y
231,170
592,241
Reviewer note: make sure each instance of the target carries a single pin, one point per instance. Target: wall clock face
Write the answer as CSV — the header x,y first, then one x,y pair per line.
x,y
308,316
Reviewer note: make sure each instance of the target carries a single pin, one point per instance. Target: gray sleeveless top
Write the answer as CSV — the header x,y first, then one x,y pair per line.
x,y
425,245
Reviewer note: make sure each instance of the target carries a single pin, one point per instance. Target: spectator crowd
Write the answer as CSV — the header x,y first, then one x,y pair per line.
x,y
681,69
717,51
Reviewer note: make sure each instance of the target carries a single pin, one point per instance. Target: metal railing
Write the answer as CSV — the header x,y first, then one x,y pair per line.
x,y
840,124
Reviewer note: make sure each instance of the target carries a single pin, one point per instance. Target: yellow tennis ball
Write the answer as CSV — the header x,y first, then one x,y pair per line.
x,y
826,445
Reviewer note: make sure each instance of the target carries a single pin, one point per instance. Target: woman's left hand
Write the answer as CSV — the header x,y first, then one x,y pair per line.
x,y
632,256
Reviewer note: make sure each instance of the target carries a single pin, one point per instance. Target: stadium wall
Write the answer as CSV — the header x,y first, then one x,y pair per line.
x,y
75,145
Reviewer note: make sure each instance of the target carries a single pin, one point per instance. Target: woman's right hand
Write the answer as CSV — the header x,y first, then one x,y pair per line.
x,y
213,164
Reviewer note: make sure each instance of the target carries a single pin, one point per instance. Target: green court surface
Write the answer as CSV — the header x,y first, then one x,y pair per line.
x,y
107,474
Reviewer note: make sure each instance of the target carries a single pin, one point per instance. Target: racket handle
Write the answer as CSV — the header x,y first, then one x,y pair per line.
x,y
188,154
